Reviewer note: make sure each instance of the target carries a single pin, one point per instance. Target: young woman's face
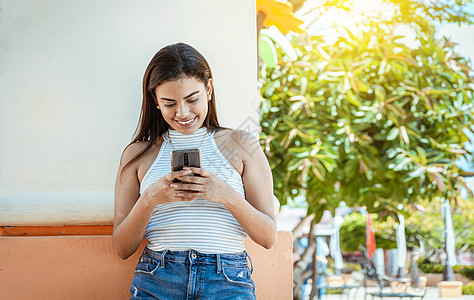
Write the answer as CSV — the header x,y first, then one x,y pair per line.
x,y
183,103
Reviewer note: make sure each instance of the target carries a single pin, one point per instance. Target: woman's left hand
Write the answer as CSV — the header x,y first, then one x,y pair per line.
x,y
207,186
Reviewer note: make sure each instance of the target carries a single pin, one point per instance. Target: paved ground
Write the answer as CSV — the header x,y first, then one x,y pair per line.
x,y
431,294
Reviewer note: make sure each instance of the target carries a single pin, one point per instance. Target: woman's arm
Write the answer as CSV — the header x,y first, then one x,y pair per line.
x,y
132,210
255,213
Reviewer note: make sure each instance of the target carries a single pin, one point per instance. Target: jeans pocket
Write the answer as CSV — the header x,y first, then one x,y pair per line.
x,y
239,275
147,265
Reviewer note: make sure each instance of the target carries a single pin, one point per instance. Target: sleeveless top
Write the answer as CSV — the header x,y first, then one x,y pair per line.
x,y
199,225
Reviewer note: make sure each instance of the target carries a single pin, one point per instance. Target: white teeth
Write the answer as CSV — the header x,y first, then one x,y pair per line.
x,y
185,123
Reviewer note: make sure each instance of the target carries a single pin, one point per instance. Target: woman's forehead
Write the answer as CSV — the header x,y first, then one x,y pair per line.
x,y
182,84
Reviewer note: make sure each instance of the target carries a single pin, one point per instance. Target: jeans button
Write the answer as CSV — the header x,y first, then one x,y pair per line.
x,y
193,255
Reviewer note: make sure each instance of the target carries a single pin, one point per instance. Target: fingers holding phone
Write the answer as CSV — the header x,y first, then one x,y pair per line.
x,y
162,192
199,183
167,189
186,158
207,186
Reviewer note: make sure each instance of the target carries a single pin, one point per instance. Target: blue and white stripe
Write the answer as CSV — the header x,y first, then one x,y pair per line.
x,y
200,225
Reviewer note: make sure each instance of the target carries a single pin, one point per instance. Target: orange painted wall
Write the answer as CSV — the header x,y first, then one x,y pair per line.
x,y
85,267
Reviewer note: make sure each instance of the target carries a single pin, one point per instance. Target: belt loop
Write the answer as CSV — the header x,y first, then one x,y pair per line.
x,y
143,253
251,264
219,265
163,259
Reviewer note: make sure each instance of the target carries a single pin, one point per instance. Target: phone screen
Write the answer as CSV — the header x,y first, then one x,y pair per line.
x,y
185,158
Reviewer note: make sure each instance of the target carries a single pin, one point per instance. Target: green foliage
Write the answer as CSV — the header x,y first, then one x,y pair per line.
x,y
351,267
421,13
428,227
420,226
368,121
429,267
467,271
353,233
468,289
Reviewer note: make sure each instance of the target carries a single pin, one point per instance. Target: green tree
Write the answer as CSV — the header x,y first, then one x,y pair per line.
x,y
368,120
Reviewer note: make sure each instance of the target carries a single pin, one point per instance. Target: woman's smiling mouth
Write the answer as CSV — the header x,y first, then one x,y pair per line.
x,y
186,123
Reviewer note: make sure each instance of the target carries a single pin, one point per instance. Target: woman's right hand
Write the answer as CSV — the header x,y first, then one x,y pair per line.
x,y
160,192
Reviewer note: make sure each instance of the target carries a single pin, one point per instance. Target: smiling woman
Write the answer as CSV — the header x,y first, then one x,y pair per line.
x,y
184,111
192,223
70,75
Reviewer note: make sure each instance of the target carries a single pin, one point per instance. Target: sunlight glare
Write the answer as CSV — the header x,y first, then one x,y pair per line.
x,y
359,13
366,7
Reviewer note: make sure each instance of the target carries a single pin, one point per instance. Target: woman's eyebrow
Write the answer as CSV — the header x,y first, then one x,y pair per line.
x,y
193,93
190,95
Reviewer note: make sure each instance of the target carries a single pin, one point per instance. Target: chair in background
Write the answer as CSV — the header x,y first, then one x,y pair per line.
x,y
400,287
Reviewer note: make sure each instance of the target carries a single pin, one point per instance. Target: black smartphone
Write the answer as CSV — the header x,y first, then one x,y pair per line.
x,y
185,158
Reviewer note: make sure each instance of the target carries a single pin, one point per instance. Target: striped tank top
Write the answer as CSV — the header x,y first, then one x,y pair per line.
x,y
199,225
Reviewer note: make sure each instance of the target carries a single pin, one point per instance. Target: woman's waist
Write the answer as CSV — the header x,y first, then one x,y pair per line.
x,y
209,242
236,258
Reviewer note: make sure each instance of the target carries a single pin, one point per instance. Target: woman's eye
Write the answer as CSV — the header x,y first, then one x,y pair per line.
x,y
169,104
193,100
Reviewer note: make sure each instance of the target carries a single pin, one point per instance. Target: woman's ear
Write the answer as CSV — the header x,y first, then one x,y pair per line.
x,y
209,89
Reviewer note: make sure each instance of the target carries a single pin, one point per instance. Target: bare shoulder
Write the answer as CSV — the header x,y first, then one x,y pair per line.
x,y
133,150
242,143
228,143
237,137
146,157
245,138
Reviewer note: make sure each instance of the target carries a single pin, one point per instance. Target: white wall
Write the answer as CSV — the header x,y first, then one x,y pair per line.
x,y
70,92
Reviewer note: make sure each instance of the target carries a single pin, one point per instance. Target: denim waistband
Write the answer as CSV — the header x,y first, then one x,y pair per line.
x,y
192,256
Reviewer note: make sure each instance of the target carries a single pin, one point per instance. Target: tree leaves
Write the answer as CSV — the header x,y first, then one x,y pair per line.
x,y
369,124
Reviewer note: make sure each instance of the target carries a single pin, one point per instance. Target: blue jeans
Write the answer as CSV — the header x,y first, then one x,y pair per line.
x,y
176,275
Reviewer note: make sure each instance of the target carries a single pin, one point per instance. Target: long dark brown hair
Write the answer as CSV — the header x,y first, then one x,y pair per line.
x,y
170,63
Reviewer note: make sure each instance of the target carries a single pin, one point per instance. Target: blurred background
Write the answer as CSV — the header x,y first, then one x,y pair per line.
x,y
366,118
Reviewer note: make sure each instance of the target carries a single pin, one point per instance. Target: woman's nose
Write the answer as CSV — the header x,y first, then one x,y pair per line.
x,y
182,110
